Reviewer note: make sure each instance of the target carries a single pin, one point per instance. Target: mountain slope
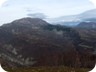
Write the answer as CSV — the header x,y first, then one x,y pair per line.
x,y
87,25
34,42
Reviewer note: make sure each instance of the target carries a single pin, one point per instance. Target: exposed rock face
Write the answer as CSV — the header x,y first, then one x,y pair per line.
x,y
30,21
34,42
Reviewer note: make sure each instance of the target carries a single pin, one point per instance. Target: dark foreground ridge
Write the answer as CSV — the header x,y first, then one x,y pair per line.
x,y
34,42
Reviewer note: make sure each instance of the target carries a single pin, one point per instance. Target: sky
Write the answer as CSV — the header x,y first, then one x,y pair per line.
x,y
94,2
15,9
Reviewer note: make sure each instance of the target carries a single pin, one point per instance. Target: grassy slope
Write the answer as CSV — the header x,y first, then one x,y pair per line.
x,y
48,69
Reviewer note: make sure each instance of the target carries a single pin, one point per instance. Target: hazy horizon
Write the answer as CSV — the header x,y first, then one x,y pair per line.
x,y
14,9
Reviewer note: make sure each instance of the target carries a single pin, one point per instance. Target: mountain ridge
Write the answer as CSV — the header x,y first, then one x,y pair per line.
x,y
36,44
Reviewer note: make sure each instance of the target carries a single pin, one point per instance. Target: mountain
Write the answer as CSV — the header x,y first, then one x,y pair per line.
x,y
87,25
87,33
34,42
73,20
30,21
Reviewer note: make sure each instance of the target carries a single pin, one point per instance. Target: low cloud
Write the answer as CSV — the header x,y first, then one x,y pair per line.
x,y
94,2
37,15
2,1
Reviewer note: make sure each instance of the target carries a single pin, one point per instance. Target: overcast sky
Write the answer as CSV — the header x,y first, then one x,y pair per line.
x,y
14,9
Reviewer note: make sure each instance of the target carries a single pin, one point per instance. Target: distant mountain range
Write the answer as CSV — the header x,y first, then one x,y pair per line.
x,y
34,42
73,20
87,25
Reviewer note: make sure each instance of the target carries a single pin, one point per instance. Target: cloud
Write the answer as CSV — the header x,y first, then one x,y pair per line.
x,y
93,1
1,2
37,15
